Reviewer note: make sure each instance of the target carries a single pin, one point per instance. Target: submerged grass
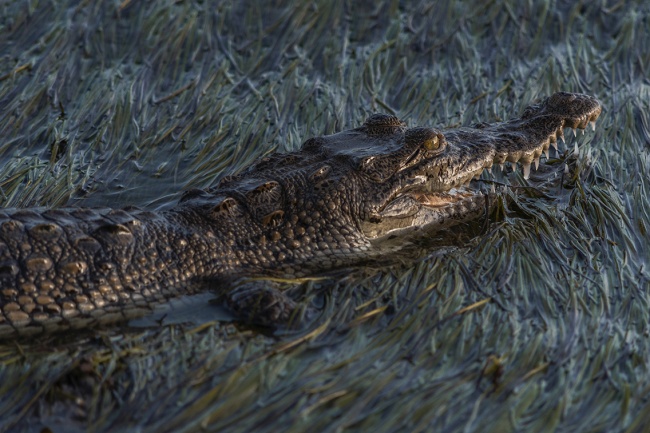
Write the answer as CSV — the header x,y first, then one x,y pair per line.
x,y
541,323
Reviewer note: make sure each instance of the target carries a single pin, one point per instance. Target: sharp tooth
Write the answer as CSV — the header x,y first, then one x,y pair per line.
x,y
489,170
560,135
575,133
566,168
502,166
536,161
546,153
555,144
593,125
493,189
575,149
526,166
583,131
514,165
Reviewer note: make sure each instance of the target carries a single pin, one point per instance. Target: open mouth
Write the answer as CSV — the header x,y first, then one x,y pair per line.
x,y
447,198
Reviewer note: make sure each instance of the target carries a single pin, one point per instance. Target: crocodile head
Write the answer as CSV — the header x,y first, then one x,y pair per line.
x,y
432,169
340,195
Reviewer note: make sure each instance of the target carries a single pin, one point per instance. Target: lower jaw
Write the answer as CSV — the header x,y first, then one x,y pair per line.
x,y
437,212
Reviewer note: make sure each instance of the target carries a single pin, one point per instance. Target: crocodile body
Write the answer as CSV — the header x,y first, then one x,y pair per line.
x,y
330,204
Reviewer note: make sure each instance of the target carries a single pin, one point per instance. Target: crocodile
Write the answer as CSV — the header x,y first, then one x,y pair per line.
x,y
331,204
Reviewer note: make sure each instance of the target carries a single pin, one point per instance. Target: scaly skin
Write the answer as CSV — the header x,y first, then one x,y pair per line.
x,y
339,200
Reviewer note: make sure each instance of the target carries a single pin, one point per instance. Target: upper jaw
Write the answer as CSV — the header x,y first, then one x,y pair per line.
x,y
524,139
542,126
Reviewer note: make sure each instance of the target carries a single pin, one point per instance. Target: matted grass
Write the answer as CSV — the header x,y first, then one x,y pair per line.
x,y
541,323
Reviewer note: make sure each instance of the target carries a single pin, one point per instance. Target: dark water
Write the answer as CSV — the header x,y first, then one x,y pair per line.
x,y
539,323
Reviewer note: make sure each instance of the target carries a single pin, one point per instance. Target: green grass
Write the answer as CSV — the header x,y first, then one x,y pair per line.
x,y
539,324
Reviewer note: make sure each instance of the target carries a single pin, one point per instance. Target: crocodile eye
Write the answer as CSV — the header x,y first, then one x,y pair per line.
x,y
432,143
431,139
